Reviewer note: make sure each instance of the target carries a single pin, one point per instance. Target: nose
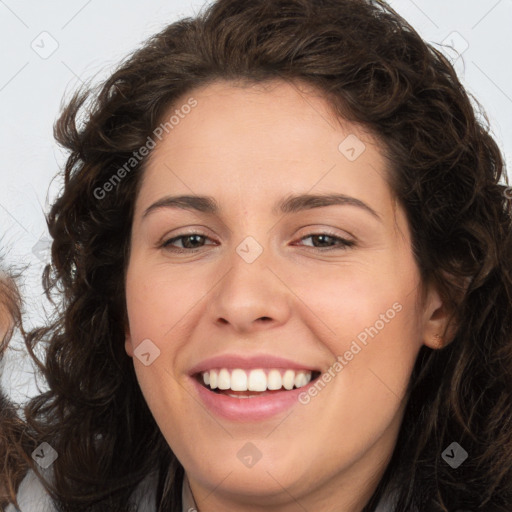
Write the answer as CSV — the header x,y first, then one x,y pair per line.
x,y
251,295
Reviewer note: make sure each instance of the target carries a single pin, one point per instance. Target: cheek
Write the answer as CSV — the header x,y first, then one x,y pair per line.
x,y
160,307
368,320
154,314
158,301
379,339
373,354
362,302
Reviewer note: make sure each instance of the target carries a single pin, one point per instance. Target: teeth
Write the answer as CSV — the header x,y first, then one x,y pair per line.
x,y
288,378
300,379
224,379
255,380
213,379
274,380
238,380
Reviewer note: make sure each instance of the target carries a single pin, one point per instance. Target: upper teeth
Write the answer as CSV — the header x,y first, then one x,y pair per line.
x,y
255,380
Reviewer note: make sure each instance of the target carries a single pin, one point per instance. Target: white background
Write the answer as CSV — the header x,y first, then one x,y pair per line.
x,y
91,36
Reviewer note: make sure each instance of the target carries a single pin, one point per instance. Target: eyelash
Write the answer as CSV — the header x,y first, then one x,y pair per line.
x,y
343,245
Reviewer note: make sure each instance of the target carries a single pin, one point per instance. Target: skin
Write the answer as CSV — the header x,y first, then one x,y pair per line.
x,y
249,147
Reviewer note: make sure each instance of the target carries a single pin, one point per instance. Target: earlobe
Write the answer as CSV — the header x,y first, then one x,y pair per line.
x,y
128,342
437,343
438,328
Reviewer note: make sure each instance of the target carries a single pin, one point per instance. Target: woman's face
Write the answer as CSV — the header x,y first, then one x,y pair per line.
x,y
259,286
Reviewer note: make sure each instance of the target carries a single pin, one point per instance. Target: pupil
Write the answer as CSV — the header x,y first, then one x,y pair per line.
x,y
192,237
322,237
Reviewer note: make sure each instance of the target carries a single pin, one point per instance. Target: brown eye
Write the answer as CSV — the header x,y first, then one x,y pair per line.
x,y
325,241
190,242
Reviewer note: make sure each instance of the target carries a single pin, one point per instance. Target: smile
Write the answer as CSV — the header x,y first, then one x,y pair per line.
x,y
241,383
242,390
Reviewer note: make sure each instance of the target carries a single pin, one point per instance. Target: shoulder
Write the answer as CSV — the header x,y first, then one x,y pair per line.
x,y
144,497
32,496
387,503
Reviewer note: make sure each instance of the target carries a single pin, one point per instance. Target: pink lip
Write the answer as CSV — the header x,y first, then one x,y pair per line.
x,y
231,361
254,409
248,409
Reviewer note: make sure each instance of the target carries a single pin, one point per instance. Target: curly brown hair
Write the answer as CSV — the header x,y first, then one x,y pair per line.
x,y
13,435
447,173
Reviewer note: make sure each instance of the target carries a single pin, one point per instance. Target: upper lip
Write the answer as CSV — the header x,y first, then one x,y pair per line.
x,y
232,361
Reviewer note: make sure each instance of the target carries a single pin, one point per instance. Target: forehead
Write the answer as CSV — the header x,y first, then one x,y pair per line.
x,y
254,140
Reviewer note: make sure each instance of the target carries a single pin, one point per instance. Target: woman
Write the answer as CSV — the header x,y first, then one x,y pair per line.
x,y
284,250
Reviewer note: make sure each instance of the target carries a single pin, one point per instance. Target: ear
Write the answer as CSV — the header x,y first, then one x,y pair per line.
x,y
439,328
128,341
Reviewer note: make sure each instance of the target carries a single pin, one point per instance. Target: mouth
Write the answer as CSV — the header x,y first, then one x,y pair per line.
x,y
251,383
242,388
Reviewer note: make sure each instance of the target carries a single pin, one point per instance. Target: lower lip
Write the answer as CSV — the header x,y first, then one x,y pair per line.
x,y
257,408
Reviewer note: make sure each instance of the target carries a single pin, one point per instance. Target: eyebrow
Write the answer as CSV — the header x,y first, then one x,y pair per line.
x,y
287,205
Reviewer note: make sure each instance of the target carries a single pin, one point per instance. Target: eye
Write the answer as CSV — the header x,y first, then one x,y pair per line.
x,y
325,238
191,242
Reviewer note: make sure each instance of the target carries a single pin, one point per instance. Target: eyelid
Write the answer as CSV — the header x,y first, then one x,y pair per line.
x,y
189,230
318,229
